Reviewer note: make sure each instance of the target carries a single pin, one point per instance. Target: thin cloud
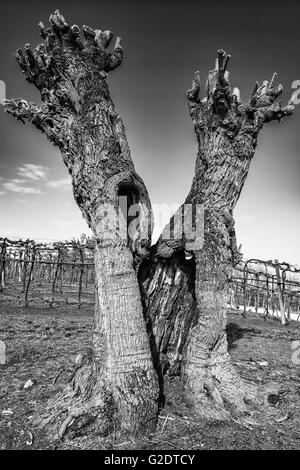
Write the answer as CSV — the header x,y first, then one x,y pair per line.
x,y
27,173
15,186
32,172
2,193
63,183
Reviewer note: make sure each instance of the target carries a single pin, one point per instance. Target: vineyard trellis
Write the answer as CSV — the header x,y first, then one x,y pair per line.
x,y
267,287
54,273
64,272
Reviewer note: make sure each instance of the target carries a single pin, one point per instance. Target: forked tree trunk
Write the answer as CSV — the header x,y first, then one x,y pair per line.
x,y
176,291
186,301
115,387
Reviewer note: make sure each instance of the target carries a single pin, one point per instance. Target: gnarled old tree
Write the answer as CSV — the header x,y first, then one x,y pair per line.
x,y
159,309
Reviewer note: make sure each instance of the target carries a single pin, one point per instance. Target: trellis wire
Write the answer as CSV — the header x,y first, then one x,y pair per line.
x,y
67,269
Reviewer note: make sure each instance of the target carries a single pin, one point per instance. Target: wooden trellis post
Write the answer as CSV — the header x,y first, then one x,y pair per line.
x,y
30,275
21,254
40,269
280,295
58,263
257,292
245,290
25,265
80,277
273,294
2,263
268,294
73,269
60,273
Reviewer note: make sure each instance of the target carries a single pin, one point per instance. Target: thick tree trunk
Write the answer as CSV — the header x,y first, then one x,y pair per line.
x,y
121,345
209,376
186,300
179,285
115,387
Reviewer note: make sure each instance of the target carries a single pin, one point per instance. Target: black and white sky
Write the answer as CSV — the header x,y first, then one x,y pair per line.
x,y
164,43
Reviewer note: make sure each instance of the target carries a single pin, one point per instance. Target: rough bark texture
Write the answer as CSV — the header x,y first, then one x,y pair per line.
x,y
186,301
115,387
181,291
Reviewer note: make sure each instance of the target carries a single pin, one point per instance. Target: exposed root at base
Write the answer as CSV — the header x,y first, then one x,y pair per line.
x,y
86,402
219,393
92,404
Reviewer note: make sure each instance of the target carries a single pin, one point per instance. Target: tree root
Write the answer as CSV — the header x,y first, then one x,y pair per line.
x,y
217,391
85,403
92,405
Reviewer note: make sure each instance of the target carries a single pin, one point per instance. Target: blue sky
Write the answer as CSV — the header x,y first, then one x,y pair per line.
x,y
164,43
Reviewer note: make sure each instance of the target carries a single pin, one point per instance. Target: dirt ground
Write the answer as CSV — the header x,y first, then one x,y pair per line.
x,y
42,344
